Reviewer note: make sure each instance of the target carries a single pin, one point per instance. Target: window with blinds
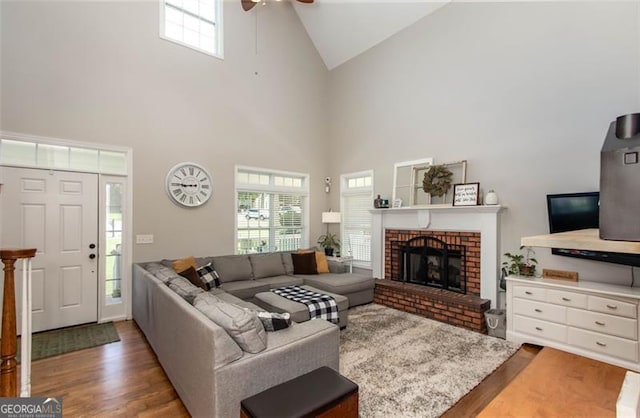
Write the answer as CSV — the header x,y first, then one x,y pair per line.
x,y
356,193
196,24
271,210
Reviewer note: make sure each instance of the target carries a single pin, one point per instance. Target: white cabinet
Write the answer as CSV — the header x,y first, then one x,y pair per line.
x,y
594,320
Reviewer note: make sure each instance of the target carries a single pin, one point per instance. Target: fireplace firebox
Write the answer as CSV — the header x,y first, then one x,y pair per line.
x,y
429,261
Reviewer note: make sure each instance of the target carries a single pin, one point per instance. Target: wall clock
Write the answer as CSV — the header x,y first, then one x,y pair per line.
x,y
189,184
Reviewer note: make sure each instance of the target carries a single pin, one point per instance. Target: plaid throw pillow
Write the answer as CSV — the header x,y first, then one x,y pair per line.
x,y
209,276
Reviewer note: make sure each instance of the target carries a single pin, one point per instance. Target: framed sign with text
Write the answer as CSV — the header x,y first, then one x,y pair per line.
x,y
466,194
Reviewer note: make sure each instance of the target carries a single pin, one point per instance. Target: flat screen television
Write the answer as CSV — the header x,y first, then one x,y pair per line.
x,y
574,211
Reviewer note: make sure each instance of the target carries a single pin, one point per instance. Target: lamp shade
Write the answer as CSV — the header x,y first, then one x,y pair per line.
x,y
331,217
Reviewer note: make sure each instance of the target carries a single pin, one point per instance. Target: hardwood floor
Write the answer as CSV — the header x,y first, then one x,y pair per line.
x,y
475,401
117,379
559,384
125,379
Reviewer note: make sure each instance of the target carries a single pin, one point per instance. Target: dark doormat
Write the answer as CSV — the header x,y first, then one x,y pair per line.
x,y
59,341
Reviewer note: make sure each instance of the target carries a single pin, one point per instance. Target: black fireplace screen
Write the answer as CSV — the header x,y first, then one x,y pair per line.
x,y
430,261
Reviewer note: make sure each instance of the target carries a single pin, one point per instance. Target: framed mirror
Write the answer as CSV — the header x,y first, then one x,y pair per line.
x,y
407,182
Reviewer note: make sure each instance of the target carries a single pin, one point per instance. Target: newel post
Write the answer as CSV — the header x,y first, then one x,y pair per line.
x,y
8,347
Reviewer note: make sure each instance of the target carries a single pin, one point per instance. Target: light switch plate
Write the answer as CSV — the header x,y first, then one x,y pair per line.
x,y
144,239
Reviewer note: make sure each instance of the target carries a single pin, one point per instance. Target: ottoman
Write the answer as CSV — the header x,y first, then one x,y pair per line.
x,y
322,392
299,311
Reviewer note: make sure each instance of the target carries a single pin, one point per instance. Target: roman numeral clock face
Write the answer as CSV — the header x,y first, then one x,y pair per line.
x,y
189,185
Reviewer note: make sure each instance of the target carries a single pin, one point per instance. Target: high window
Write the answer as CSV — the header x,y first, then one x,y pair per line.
x,y
193,23
271,210
356,192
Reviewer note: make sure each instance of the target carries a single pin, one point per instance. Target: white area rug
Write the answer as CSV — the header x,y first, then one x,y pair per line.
x,y
410,366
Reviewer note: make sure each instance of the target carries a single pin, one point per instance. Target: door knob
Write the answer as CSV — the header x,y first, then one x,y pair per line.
x,y
92,256
92,246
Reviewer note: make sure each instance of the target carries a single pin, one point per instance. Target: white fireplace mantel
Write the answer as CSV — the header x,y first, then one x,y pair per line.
x,y
484,219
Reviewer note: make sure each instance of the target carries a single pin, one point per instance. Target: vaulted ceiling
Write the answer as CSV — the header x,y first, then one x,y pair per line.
x,y
343,29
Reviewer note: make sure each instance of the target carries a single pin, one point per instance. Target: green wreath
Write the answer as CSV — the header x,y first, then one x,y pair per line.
x,y
437,180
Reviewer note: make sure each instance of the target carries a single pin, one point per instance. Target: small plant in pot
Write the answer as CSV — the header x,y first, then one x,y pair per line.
x,y
329,242
523,264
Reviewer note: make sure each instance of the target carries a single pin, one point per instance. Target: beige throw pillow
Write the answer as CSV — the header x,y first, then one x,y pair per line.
x,y
181,265
321,262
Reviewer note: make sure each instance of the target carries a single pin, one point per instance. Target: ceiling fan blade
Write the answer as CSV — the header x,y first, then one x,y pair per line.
x,y
247,5
306,1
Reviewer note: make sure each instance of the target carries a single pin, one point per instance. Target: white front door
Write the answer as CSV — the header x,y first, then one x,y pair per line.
x,y
57,213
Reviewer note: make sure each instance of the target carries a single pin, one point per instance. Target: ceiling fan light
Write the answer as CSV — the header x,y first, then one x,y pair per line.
x,y
256,1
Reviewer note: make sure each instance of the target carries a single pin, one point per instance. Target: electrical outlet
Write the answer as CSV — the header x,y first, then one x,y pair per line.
x,y
144,239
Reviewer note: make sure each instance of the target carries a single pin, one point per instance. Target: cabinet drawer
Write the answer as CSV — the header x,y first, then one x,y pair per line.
x,y
540,310
612,306
599,322
530,292
606,344
575,300
542,329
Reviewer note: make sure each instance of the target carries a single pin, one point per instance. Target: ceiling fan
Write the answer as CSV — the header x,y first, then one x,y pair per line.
x,y
248,4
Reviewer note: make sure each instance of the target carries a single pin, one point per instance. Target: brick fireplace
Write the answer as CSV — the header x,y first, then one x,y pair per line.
x,y
473,235
470,241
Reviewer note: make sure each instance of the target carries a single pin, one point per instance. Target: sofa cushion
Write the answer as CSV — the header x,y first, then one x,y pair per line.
x,y
242,325
207,299
232,268
245,289
267,265
161,272
304,263
341,284
280,281
201,261
184,263
229,298
184,288
288,262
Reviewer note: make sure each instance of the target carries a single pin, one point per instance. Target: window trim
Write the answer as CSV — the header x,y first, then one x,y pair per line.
x,y
271,188
346,191
219,25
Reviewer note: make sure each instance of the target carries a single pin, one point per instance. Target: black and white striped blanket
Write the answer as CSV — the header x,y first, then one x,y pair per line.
x,y
320,305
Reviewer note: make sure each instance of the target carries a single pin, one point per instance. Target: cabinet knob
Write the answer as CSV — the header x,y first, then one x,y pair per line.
x,y
614,307
528,293
566,299
600,323
538,329
538,310
601,344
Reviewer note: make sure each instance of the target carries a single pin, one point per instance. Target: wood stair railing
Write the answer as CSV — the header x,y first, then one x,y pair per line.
x,y
8,346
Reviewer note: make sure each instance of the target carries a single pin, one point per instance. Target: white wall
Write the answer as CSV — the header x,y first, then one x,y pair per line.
x,y
523,91
98,72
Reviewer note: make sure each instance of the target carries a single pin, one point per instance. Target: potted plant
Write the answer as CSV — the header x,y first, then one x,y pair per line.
x,y
329,242
521,264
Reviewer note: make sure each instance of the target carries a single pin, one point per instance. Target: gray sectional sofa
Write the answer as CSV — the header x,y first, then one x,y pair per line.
x,y
206,366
